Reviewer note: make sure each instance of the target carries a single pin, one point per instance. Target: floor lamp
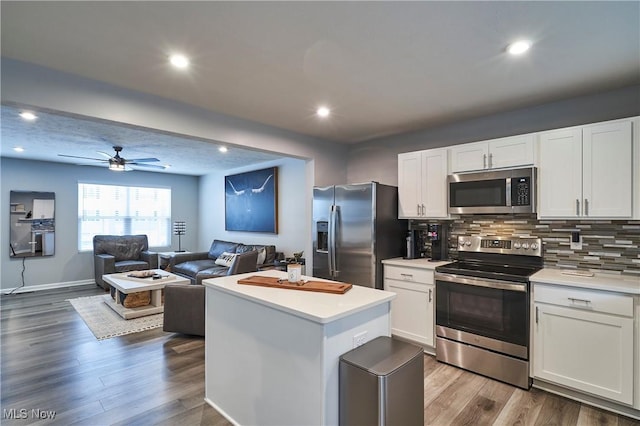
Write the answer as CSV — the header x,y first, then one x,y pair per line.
x,y
179,229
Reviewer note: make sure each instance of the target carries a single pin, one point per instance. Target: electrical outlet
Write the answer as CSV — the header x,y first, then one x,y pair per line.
x,y
575,242
359,339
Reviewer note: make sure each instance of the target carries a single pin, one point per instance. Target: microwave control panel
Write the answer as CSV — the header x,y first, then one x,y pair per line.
x,y
521,191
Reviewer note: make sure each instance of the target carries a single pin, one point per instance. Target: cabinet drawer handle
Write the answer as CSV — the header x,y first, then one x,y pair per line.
x,y
407,277
586,207
418,209
490,160
577,207
423,210
574,300
484,161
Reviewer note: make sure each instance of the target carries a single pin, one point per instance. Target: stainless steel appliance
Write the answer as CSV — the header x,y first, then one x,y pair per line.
x,y
354,228
482,307
495,192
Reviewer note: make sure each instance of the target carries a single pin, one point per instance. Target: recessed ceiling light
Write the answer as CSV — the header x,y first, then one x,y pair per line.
x,y
223,149
323,111
27,115
18,149
519,47
179,61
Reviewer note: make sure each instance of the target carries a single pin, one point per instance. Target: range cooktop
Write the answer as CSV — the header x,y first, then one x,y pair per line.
x,y
502,258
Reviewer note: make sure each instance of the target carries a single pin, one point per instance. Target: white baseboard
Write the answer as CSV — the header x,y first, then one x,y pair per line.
x,y
50,286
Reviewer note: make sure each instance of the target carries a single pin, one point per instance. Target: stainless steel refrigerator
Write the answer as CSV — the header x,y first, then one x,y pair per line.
x,y
354,228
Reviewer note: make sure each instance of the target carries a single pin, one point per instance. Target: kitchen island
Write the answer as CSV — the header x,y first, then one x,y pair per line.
x,y
272,355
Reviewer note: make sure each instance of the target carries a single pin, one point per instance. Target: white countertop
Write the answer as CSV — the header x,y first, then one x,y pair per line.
x,y
416,263
599,281
315,306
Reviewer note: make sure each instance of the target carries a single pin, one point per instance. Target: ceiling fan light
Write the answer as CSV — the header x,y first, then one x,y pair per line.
x,y
116,167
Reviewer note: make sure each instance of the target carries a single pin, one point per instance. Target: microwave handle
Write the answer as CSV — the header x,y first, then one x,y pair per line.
x,y
508,192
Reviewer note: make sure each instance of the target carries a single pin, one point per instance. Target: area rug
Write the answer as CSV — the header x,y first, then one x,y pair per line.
x,y
105,323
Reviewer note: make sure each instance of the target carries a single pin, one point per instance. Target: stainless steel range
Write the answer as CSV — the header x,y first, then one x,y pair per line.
x,y
482,307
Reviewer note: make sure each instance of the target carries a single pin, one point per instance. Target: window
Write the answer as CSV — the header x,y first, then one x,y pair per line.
x,y
123,210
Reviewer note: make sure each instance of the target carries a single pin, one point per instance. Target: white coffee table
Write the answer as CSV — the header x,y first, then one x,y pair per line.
x,y
123,283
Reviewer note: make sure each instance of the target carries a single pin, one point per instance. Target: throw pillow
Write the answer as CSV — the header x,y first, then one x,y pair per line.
x,y
262,255
225,259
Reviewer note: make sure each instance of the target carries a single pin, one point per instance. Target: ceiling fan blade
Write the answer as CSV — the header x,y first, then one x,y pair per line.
x,y
142,160
148,166
85,158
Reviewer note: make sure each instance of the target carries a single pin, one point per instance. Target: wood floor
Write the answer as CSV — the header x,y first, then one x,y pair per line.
x,y
52,362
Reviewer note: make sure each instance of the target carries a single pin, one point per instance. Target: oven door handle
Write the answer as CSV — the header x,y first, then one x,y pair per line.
x,y
480,282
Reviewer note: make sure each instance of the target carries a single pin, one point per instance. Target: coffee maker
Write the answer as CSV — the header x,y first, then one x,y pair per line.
x,y
438,235
416,244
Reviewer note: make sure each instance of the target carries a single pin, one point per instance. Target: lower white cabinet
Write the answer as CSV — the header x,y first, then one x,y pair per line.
x,y
412,311
584,340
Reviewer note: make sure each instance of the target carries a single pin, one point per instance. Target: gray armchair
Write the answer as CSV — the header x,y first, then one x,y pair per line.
x,y
184,303
121,253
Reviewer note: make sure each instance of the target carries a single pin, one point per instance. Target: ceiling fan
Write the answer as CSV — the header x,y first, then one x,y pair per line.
x,y
118,163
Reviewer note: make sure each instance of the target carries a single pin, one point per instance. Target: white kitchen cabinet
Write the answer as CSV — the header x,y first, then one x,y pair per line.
x,y
586,172
422,184
584,340
512,151
412,311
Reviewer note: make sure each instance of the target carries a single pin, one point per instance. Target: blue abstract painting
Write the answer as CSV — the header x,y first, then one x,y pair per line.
x,y
251,201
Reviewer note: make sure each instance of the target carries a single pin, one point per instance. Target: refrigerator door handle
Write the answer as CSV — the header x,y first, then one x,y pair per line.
x,y
331,239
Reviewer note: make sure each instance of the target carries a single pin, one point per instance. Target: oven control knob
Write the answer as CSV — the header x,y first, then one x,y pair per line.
x,y
534,246
467,243
516,245
525,246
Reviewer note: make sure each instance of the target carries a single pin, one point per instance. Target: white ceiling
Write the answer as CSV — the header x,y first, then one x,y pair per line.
x,y
383,67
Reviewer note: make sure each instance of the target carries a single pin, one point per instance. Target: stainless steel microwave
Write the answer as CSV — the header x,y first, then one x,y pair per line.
x,y
493,192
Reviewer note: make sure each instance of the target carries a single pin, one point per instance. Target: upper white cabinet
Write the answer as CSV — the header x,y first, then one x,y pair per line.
x,y
586,172
422,184
512,151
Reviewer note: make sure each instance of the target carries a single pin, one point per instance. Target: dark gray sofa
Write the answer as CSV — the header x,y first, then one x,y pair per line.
x,y
121,253
202,265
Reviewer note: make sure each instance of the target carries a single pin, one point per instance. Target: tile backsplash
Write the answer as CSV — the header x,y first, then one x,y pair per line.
x,y
610,245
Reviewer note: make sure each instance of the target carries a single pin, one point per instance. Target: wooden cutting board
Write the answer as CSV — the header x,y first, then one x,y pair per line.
x,y
319,286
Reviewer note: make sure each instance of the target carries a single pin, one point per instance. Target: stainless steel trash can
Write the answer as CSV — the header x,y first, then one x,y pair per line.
x,y
382,383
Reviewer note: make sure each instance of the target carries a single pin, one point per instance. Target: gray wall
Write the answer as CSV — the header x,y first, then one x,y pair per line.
x,y
377,160
294,209
68,265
